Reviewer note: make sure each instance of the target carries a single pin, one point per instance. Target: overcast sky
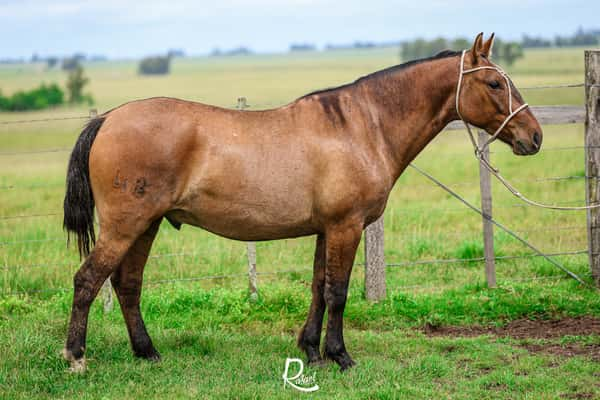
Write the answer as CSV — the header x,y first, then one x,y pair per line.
x,y
121,28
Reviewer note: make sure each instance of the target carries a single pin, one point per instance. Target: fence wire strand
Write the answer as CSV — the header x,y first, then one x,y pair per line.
x,y
405,263
420,234
29,121
161,282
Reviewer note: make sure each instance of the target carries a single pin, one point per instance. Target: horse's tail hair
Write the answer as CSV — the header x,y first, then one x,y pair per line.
x,y
79,199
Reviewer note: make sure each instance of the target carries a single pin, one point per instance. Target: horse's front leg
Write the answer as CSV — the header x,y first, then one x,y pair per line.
x,y
310,335
341,243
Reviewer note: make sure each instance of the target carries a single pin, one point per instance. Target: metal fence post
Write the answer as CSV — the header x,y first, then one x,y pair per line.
x,y
250,246
374,261
592,157
485,187
107,289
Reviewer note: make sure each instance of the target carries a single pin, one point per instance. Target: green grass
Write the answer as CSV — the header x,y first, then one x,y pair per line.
x,y
214,342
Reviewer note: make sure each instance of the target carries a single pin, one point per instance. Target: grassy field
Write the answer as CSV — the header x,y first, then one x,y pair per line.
x,y
215,342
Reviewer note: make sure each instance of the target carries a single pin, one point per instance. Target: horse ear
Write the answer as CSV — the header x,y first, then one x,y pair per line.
x,y
486,48
476,49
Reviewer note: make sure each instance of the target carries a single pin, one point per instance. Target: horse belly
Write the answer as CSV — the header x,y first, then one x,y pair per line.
x,y
248,208
243,221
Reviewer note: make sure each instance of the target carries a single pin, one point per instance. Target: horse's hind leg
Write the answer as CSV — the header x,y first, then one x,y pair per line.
x,y
127,281
106,256
310,335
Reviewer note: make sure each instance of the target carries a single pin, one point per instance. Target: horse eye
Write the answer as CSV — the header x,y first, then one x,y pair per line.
x,y
494,84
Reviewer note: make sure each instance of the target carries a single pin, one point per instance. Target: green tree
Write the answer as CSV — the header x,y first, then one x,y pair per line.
x,y
155,65
39,98
507,52
70,63
76,81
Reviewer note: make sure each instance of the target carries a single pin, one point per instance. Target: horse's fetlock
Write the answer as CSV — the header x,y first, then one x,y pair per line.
x,y
309,337
334,349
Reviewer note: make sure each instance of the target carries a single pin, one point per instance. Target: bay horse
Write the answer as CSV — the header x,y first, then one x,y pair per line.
x,y
322,165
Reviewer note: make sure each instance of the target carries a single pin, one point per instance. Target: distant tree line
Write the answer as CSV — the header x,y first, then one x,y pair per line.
x,y
504,52
237,51
507,52
355,45
67,63
302,47
360,45
581,37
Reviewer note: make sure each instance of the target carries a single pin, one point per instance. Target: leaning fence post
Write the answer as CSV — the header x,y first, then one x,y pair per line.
x,y
107,290
592,157
485,187
250,246
374,261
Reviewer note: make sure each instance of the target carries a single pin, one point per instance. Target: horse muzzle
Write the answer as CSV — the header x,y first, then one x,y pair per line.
x,y
527,147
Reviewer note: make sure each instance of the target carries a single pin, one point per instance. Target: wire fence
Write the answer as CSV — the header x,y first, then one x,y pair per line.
x,y
391,266
405,263
453,233
409,210
161,282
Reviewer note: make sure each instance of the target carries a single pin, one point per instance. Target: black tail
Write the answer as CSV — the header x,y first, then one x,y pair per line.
x,y
79,200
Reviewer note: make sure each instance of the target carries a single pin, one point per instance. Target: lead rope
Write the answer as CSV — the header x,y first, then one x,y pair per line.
x,y
479,150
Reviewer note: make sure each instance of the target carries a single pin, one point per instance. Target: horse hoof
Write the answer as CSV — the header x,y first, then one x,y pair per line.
x,y
155,357
150,355
346,364
78,365
342,359
318,363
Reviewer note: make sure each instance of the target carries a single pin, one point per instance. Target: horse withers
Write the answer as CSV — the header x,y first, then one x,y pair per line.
x,y
322,165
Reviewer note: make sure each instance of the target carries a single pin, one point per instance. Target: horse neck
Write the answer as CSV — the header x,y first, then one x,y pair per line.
x,y
411,106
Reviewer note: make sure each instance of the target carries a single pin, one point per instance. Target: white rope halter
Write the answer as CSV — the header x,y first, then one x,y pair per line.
x,y
479,150
511,115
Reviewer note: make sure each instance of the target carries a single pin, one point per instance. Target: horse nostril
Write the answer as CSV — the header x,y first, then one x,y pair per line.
x,y
537,140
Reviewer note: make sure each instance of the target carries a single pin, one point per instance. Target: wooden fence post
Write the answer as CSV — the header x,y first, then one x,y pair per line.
x,y
252,284
592,157
485,187
250,246
374,261
107,289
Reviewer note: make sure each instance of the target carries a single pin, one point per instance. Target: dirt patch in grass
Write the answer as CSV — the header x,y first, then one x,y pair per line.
x,y
566,350
535,329
524,329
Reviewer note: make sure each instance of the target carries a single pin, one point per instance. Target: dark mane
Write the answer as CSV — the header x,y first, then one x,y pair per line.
x,y
386,71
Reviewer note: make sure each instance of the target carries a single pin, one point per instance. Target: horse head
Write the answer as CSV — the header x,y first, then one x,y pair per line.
x,y
487,98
